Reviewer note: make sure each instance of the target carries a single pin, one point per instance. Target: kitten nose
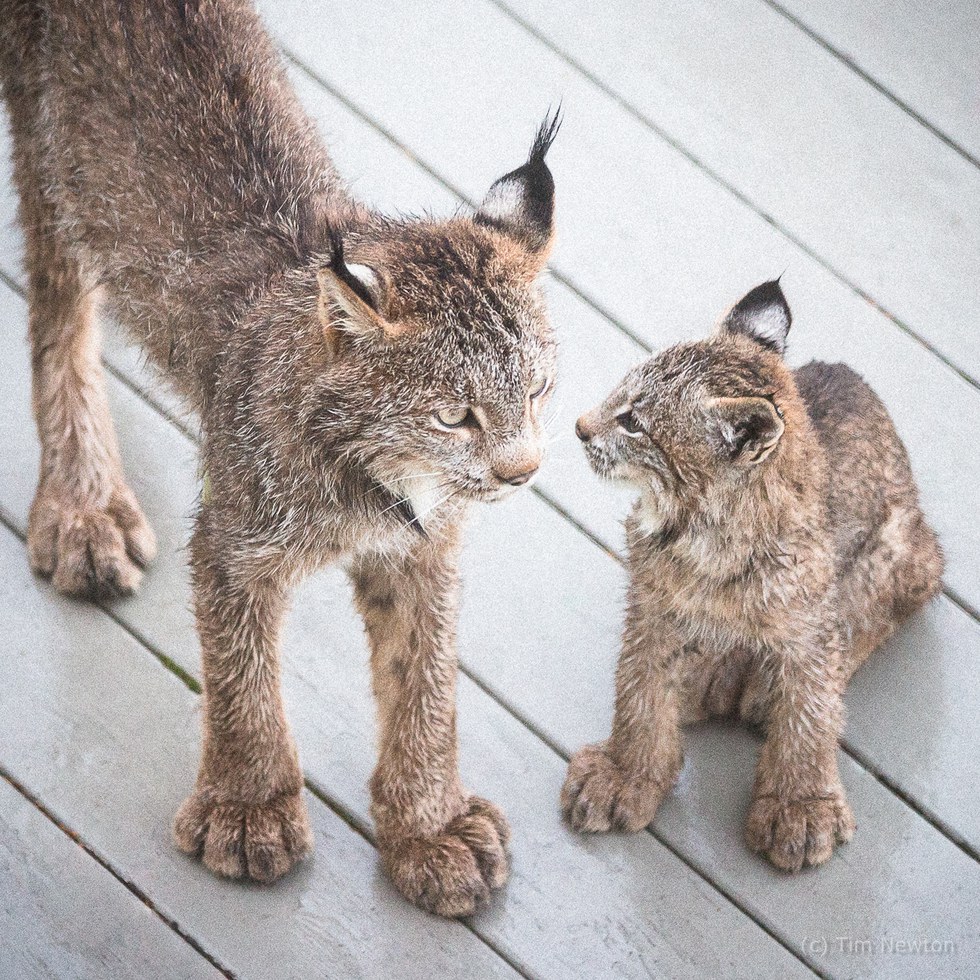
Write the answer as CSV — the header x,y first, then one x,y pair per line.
x,y
516,479
581,431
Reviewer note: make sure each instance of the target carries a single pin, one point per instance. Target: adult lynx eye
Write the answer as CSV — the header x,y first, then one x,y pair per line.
x,y
540,387
454,418
629,423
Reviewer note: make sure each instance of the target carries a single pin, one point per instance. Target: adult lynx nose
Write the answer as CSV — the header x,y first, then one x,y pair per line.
x,y
516,479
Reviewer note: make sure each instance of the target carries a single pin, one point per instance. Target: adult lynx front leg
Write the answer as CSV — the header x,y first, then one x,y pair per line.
x,y
444,849
246,816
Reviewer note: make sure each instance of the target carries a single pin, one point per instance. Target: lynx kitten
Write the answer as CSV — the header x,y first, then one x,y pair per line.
x,y
777,540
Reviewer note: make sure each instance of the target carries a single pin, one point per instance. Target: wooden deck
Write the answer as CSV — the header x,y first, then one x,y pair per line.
x,y
707,145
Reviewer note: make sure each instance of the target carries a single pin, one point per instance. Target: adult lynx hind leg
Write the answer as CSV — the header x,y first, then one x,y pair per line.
x,y
85,531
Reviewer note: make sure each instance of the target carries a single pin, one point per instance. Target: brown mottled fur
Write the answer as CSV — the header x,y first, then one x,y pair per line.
x,y
777,541
167,171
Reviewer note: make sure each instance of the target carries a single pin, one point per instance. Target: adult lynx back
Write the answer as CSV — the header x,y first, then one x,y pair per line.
x,y
360,380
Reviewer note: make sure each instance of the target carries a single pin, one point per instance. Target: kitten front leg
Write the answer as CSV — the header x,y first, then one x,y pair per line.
x,y
246,816
620,783
443,848
799,810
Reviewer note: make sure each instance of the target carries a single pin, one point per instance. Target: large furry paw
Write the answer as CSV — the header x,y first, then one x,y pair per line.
x,y
238,840
86,551
452,872
598,796
794,833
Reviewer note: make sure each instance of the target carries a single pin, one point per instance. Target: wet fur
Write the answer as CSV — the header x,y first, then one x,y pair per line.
x,y
778,540
167,174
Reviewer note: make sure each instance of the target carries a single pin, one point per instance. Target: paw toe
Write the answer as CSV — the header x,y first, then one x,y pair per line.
x,y
235,840
91,553
453,872
598,796
798,833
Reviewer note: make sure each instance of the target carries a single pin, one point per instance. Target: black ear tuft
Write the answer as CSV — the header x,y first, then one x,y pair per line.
x,y
522,202
546,134
763,315
359,286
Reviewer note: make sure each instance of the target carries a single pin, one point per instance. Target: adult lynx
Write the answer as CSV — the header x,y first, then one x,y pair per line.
x,y
360,380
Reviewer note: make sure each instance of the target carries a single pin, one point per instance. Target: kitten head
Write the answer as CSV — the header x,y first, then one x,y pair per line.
x,y
441,357
699,417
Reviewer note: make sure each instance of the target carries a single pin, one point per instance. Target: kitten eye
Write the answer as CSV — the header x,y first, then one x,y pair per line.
x,y
540,387
629,423
454,418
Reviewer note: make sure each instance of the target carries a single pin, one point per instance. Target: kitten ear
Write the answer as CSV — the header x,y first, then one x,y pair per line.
x,y
744,430
762,315
351,297
521,204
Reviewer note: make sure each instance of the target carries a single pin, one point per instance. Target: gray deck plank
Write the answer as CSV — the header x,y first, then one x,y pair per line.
x,y
912,716
550,930
62,915
806,139
567,605
641,226
925,55
898,878
104,736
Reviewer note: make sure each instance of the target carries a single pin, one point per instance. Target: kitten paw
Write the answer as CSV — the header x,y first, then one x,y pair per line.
x,y
87,551
455,870
795,833
239,840
598,796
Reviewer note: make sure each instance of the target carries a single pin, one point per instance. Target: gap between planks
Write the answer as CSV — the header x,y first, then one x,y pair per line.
x,y
865,76
104,863
648,123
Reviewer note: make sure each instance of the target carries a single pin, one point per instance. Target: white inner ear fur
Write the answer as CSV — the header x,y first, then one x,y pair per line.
x,y
341,310
504,201
770,324
365,275
766,449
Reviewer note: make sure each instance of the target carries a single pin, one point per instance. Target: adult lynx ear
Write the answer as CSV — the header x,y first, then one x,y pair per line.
x,y
762,315
522,203
744,430
351,297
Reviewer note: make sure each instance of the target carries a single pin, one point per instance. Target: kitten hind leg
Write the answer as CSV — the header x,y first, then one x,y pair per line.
x,y
905,571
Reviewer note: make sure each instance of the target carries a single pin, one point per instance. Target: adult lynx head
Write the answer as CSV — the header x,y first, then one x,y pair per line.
x,y
441,357
693,426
